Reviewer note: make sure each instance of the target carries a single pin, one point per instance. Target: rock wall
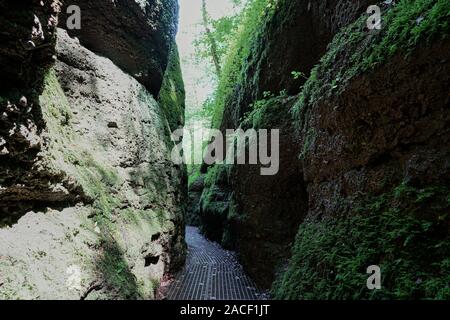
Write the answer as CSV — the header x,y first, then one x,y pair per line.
x,y
96,211
195,194
261,214
377,177
364,163
298,31
172,95
136,34
373,126
29,46
28,40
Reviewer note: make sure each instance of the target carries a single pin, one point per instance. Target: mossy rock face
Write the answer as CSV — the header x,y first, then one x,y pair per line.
x,y
277,38
404,232
111,152
297,31
215,203
195,194
406,25
375,127
372,113
172,95
27,53
356,142
140,46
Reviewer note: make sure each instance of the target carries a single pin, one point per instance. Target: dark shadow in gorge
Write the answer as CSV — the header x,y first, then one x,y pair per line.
x,y
116,275
11,212
24,61
269,211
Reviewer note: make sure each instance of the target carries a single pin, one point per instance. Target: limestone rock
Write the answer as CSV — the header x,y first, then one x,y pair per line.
x,y
90,201
136,35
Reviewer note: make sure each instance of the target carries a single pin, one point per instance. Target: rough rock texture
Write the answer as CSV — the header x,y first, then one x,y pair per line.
x,y
271,208
299,31
215,207
383,129
376,162
28,48
377,174
195,193
27,37
99,199
365,162
172,95
136,34
258,215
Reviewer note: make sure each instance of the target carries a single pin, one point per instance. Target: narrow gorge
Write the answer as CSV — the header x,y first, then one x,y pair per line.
x,y
94,207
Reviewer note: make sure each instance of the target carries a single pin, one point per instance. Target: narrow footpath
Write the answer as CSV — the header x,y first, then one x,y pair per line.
x,y
211,273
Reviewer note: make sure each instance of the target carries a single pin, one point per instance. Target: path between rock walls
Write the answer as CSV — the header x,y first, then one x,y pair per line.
x,y
211,273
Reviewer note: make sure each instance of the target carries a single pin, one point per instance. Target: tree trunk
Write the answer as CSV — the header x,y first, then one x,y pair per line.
x,y
212,41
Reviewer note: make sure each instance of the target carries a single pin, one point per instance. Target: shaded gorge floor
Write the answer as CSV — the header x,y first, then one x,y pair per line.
x,y
211,273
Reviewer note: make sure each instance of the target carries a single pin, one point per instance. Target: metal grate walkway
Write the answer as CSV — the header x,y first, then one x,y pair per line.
x,y
211,273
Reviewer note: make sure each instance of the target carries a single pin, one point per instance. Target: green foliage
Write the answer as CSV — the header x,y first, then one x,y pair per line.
x,y
267,112
216,174
404,231
215,202
223,31
297,75
237,36
239,50
406,25
207,110
194,173
172,95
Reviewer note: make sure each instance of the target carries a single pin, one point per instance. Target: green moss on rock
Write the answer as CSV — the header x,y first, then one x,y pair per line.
x,y
172,94
117,274
404,231
215,206
234,72
267,113
405,25
100,184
